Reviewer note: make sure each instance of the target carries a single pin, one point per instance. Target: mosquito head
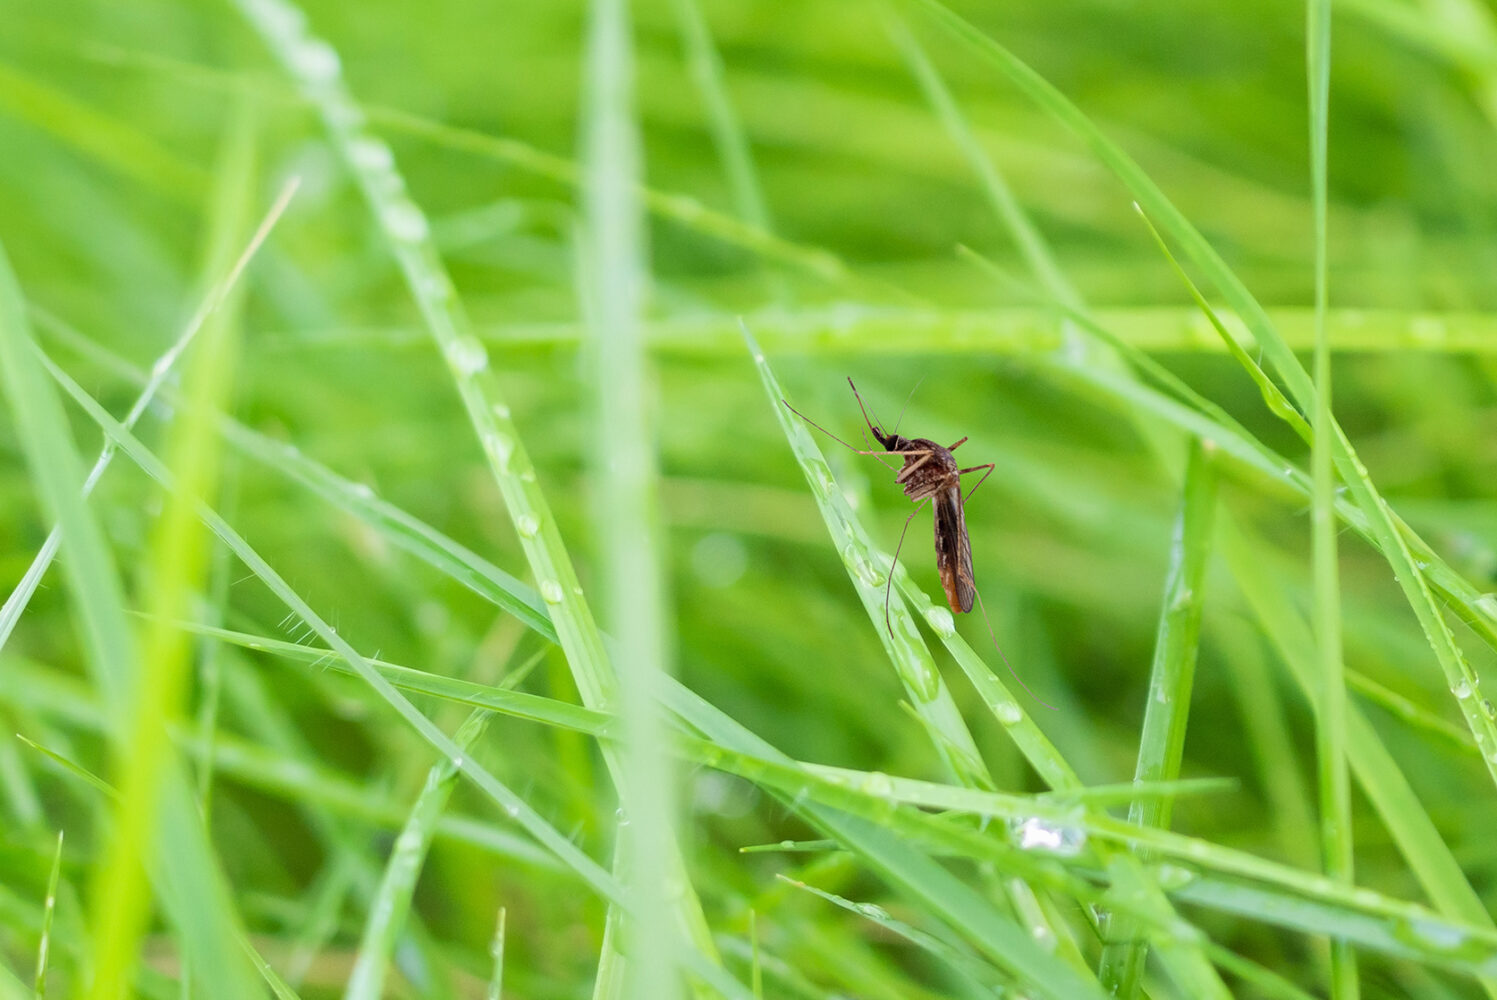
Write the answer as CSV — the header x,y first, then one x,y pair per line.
x,y
887,440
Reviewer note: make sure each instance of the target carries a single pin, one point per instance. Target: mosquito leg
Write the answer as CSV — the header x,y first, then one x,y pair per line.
x,y
994,636
985,475
894,563
957,445
835,438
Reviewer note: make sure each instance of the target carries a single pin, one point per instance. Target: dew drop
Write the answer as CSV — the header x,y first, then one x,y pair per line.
x,y
878,783
527,525
406,221
1461,690
360,491
552,592
940,621
501,447
501,411
468,356
1036,834
315,60
369,153
873,911
1008,712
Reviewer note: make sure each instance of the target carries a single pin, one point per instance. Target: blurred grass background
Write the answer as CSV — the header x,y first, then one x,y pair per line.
x,y
819,194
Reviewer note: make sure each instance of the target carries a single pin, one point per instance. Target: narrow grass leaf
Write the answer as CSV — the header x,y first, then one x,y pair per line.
x,y
49,908
1167,709
392,901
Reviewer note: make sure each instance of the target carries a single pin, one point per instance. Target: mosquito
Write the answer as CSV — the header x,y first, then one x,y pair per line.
x,y
931,474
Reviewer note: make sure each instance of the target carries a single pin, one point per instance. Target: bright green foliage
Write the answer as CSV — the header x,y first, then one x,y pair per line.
x,y
452,563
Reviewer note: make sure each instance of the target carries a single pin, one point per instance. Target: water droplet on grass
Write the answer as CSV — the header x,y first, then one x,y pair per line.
x,y
406,221
369,153
527,525
468,356
315,60
1036,834
940,621
552,592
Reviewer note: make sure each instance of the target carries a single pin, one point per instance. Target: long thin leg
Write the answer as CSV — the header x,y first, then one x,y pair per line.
x,y
895,562
871,425
957,445
994,636
984,479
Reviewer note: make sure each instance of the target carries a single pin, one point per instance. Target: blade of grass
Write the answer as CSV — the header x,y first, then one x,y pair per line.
x,y
177,567
392,901
496,951
49,907
1336,833
1167,709
978,976
613,283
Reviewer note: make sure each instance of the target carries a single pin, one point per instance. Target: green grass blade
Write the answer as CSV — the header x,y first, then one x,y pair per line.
x,y
1336,834
49,907
392,901
613,283
496,951
1171,679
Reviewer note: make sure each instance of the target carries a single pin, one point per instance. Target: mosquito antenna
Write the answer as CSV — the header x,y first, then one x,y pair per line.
x,y
992,635
871,425
906,406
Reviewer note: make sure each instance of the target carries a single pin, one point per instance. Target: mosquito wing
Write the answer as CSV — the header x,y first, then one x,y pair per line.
x,y
954,550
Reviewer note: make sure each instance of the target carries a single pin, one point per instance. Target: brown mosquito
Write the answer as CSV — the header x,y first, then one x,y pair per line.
x,y
930,474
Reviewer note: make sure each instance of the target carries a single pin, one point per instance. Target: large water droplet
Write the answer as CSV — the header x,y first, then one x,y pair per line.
x,y
1461,689
1036,834
940,621
527,525
552,592
878,783
1008,712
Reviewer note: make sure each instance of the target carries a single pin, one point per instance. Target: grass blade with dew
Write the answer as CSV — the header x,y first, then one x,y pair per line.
x,y
316,69
1167,707
393,898
1336,832
1387,532
512,804
612,283
16,603
496,952
49,907
193,889
912,660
